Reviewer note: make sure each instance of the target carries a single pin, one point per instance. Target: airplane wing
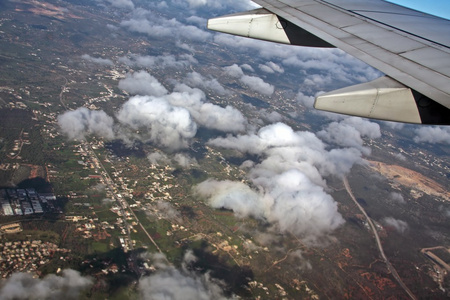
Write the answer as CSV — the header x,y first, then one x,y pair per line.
x,y
410,47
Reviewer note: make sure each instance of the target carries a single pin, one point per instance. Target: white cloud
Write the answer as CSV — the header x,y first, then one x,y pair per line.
x,y
289,200
195,79
197,20
394,125
234,70
271,68
142,83
287,184
397,197
400,156
148,23
232,195
171,283
258,85
181,159
184,160
158,158
307,101
24,286
272,117
235,5
166,119
253,82
168,211
167,282
128,4
349,133
399,225
76,124
247,67
162,5
162,123
227,119
163,61
433,135
144,118
97,60
320,69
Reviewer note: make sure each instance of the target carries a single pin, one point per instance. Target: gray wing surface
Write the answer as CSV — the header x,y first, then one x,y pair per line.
x,y
412,48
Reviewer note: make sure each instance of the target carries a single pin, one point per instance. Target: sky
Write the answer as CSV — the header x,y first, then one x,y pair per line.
x,y
439,8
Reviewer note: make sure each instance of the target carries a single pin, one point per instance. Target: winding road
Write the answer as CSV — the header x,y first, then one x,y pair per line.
x,y
377,239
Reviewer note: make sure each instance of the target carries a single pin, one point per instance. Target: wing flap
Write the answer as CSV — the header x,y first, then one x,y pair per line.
x,y
261,24
383,99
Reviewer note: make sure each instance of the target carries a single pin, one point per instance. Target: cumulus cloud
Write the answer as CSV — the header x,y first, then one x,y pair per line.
x,y
188,48
234,70
76,124
197,20
163,61
307,101
144,118
400,156
97,60
258,85
162,123
142,83
253,82
399,225
166,119
287,185
237,5
271,68
168,211
171,283
397,197
349,133
180,159
433,135
247,67
290,201
301,262
232,195
146,22
127,4
317,69
24,286
158,158
184,160
195,79
227,119
272,117
394,125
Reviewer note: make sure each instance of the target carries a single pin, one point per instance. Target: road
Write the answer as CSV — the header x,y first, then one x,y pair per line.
x,y
61,94
110,183
124,206
377,239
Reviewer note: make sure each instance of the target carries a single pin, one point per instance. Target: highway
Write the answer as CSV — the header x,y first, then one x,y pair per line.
x,y
377,239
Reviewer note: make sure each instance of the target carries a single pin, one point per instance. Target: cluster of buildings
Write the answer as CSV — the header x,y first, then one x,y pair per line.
x,y
159,189
26,256
19,202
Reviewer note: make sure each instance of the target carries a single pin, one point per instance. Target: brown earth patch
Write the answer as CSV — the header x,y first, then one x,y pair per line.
x,y
410,178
